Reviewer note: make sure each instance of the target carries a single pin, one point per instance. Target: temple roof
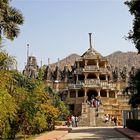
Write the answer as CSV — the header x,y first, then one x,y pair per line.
x,y
91,53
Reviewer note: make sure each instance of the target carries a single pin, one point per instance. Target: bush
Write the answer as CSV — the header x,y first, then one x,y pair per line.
x,y
58,123
133,124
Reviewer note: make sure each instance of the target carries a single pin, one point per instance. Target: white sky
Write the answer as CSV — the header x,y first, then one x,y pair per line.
x,y
56,28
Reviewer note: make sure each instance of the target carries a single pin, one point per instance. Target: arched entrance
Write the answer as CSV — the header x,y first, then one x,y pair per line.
x,y
92,93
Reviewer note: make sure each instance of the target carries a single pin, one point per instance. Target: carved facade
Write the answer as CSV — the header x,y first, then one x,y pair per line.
x,y
90,77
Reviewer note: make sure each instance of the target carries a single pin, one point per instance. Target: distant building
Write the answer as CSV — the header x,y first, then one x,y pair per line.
x,y
31,68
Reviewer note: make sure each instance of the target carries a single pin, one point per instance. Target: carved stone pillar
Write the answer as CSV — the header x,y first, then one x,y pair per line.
x,y
68,94
76,93
86,62
77,78
105,64
85,95
106,77
78,65
98,92
97,64
98,76
107,93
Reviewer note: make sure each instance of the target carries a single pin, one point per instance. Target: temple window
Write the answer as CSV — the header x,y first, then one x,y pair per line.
x,y
101,64
81,64
91,76
103,93
111,94
81,93
81,77
91,62
72,94
102,77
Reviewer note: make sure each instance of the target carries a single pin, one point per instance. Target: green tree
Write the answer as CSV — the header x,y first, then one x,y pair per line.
x,y
56,101
10,19
134,34
6,61
134,89
8,106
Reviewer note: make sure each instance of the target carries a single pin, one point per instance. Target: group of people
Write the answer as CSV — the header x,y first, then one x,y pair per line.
x,y
95,101
110,119
72,121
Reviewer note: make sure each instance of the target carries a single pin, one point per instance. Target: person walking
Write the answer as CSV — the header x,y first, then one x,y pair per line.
x,y
76,121
73,120
115,121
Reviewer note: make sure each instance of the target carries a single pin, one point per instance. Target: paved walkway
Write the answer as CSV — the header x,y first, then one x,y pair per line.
x,y
129,133
94,133
61,133
56,134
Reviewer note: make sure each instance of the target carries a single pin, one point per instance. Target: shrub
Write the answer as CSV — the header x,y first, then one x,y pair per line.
x,y
133,124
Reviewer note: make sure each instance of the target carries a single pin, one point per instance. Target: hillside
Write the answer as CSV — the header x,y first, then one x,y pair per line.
x,y
69,60
118,59
121,59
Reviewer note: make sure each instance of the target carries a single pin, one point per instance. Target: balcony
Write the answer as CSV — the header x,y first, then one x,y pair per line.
x,y
103,70
91,68
75,86
92,83
99,83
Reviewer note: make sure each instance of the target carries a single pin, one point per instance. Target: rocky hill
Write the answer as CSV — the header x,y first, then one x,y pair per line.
x,y
119,59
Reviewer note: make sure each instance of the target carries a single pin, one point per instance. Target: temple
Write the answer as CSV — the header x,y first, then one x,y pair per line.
x,y
91,88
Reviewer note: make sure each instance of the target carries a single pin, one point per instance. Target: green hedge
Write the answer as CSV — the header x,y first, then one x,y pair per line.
x,y
133,124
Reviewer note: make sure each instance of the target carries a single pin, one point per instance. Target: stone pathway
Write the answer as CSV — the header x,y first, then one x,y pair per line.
x,y
90,133
56,134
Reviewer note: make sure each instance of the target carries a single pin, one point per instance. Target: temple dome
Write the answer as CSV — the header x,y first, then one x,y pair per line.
x,y
91,53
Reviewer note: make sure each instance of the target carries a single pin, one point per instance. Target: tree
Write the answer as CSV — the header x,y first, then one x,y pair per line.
x,y
10,19
6,61
134,88
134,35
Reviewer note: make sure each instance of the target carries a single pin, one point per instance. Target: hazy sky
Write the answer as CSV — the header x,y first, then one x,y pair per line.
x,y
56,28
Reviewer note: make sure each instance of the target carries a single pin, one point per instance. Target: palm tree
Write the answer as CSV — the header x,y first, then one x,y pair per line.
x,y
10,19
6,61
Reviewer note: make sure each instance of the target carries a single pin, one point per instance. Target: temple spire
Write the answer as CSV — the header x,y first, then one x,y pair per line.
x,y
48,61
27,51
90,40
58,62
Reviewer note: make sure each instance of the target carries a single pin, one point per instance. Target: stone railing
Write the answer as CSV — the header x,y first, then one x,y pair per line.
x,y
104,70
92,83
99,83
91,68
79,84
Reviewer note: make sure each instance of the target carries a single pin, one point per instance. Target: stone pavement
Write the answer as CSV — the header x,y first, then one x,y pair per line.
x,y
56,134
129,133
61,131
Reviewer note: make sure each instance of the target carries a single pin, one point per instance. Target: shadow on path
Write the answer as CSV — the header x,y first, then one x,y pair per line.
x,y
94,133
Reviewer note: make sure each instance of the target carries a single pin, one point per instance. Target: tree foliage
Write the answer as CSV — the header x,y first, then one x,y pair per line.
x,y
10,19
134,88
26,104
7,62
134,34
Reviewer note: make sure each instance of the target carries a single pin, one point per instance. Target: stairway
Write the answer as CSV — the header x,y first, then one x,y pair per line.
x,y
93,117
87,117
